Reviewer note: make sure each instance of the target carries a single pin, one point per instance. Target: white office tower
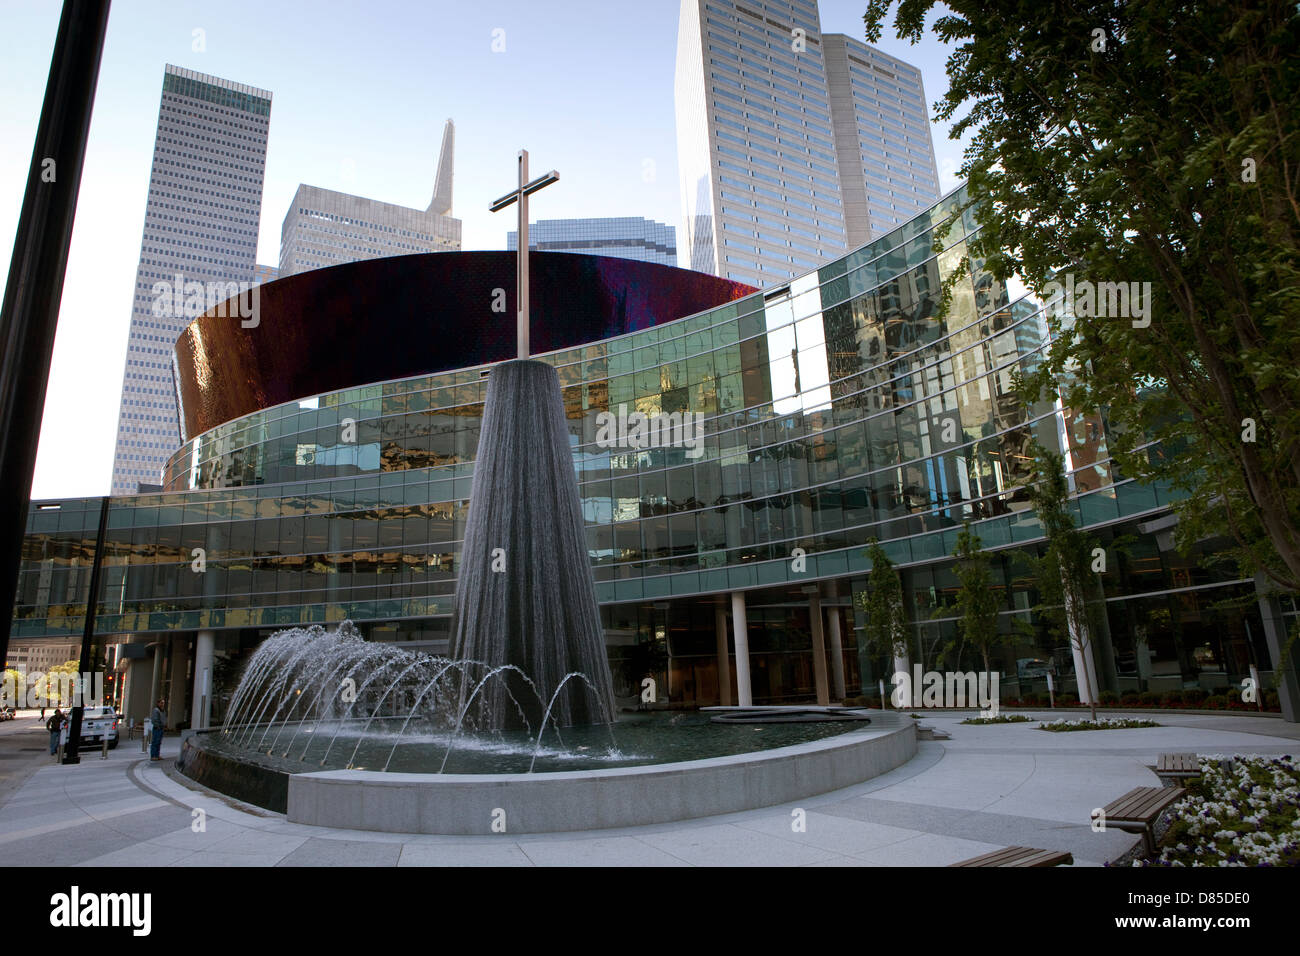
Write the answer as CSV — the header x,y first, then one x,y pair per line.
x,y
764,103
755,150
882,137
200,226
328,228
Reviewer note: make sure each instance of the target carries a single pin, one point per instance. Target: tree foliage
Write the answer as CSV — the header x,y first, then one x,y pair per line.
x,y
977,602
1065,581
882,603
1154,142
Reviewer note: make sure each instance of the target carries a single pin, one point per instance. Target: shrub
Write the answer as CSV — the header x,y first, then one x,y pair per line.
x,y
1150,698
1193,696
1216,702
1030,700
1066,700
1271,701
1108,698
1171,698
1130,698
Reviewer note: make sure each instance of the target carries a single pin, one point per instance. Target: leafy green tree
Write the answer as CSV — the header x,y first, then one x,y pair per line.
x,y
886,629
1065,579
977,602
1154,142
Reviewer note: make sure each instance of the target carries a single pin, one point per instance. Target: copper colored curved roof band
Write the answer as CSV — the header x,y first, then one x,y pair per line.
x,y
381,319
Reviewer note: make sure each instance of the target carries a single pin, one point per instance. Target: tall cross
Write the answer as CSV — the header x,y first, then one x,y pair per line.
x,y
520,195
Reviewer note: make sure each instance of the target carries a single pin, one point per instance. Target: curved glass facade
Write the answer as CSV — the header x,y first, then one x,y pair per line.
x,y
836,408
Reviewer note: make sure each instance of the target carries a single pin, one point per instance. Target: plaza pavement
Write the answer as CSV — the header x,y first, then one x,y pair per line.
x,y
986,788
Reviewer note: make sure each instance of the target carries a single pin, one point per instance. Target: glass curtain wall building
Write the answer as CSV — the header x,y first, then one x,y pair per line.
x,y
200,226
627,237
838,407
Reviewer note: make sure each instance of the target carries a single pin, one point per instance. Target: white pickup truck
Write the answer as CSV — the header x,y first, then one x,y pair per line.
x,y
98,723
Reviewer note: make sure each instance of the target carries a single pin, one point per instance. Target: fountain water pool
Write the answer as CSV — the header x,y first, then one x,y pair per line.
x,y
338,731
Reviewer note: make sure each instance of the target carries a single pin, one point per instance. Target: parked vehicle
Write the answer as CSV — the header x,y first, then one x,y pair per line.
x,y
98,723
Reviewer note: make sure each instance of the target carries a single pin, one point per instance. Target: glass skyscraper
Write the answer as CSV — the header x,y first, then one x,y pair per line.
x,y
625,237
789,151
200,226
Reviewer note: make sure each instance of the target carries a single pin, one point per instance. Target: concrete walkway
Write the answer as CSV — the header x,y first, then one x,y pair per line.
x,y
986,788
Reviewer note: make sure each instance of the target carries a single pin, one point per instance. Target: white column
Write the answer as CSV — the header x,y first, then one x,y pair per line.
x,y
724,656
837,653
740,634
202,709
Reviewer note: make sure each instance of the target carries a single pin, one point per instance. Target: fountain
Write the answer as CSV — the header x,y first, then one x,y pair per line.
x,y
524,591
517,724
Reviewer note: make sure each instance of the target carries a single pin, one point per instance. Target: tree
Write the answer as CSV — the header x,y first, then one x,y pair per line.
x,y
55,681
13,689
1116,147
1065,580
882,603
977,602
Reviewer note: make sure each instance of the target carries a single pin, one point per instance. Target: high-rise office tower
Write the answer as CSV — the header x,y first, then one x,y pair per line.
x,y
624,237
765,103
883,144
328,228
200,226
755,148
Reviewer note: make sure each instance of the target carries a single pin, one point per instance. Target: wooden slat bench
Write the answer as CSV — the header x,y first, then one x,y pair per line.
x,y
1172,768
1020,856
1139,809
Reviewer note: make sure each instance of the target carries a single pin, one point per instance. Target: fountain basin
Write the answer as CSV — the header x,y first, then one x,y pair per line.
x,y
468,804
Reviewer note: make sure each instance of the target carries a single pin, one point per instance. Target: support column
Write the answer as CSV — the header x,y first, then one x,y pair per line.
x,y
202,706
180,647
837,654
724,657
740,635
1275,636
155,686
818,644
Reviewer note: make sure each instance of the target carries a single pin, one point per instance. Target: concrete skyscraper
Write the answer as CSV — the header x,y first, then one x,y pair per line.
x,y
328,228
766,104
624,237
883,144
201,222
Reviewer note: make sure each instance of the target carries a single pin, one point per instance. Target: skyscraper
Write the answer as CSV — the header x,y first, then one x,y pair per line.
x,y
200,226
883,144
328,228
766,104
625,237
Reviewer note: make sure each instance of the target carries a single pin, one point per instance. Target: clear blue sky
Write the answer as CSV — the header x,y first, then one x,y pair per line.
x,y
361,91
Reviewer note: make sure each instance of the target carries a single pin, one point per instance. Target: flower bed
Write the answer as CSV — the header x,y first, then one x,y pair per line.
x,y
1242,811
1101,723
999,719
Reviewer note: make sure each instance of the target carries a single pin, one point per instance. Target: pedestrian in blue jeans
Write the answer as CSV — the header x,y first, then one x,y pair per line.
x,y
55,726
158,719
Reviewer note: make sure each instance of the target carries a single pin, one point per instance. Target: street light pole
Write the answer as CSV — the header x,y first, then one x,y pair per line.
x,y
30,312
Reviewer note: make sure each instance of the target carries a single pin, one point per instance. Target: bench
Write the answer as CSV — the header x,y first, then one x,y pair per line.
x,y
1171,768
1139,809
1020,856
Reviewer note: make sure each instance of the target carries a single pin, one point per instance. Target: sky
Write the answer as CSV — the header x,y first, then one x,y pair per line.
x,y
360,95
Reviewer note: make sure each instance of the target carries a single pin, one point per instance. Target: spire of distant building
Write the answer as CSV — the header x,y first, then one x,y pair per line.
x,y
328,228
441,203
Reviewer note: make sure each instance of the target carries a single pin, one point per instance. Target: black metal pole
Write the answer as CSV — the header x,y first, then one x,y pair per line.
x,y
70,754
35,287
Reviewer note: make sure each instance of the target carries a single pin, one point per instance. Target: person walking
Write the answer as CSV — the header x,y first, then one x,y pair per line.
x,y
157,718
55,726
